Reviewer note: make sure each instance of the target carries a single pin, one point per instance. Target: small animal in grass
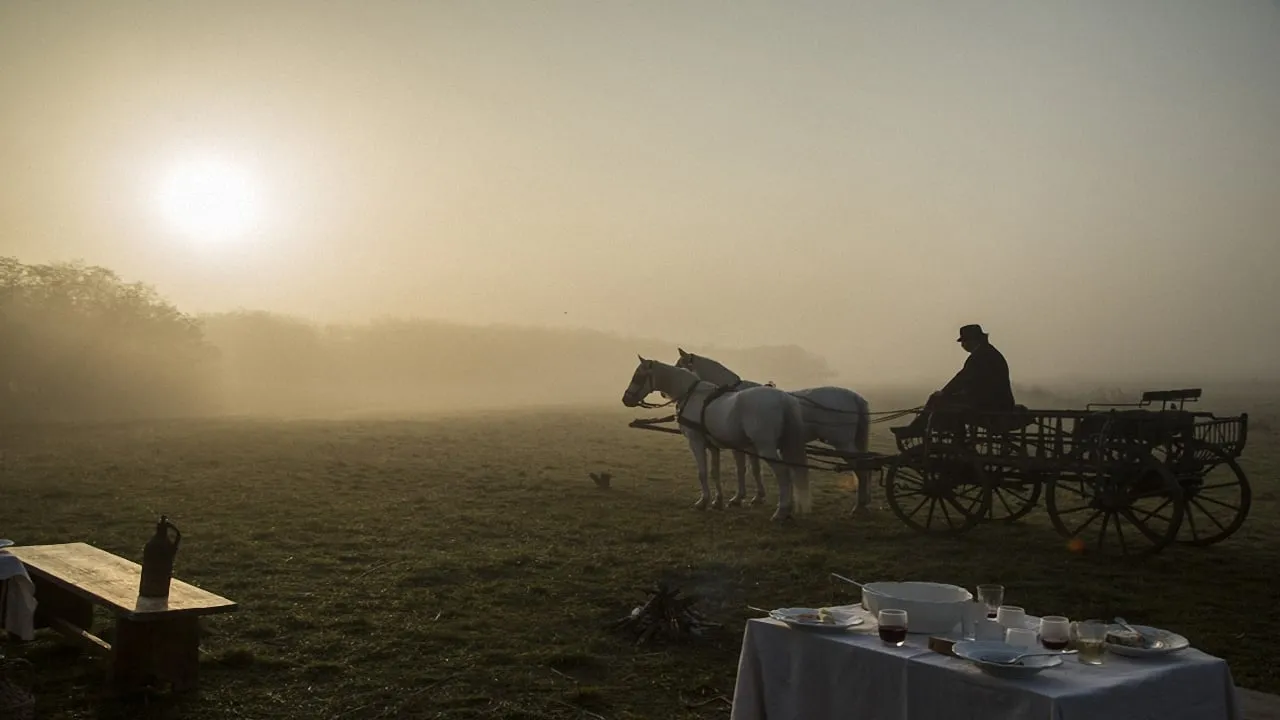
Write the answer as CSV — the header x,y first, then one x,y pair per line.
x,y
601,479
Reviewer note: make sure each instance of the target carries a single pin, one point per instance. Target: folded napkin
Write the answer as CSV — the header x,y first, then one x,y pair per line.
x,y
19,609
869,623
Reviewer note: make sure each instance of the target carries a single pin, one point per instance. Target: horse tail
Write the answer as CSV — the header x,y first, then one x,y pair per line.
x,y
862,435
795,436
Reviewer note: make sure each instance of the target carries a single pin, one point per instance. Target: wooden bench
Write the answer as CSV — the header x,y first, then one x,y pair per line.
x,y
155,638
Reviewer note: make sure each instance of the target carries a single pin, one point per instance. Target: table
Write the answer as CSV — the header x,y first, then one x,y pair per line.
x,y
786,674
154,637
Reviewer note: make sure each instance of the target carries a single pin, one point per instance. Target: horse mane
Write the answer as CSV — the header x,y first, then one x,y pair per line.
x,y
719,365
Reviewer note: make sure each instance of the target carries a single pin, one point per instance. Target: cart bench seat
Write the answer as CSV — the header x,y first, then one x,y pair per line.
x,y
155,638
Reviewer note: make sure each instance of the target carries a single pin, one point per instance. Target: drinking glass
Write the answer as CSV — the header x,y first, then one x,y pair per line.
x,y
1055,632
1091,638
993,596
893,627
1020,637
1011,616
974,614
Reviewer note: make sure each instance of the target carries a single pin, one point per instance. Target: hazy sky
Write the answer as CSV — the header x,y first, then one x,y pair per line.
x,y
1097,182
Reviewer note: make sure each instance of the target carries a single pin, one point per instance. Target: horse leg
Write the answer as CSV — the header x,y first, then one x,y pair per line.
x,y
699,450
740,466
783,475
755,473
718,502
861,505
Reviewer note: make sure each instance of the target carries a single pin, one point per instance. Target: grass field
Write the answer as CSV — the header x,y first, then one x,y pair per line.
x,y
464,567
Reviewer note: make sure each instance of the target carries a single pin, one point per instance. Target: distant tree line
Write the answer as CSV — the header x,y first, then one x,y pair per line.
x,y
78,342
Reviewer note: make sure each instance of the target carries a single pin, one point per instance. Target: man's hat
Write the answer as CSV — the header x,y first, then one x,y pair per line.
x,y
971,332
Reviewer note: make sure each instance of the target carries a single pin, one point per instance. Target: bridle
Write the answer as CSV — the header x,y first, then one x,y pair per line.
x,y
678,400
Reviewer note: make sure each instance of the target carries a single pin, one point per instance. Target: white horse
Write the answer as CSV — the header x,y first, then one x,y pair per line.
x,y
764,418
837,416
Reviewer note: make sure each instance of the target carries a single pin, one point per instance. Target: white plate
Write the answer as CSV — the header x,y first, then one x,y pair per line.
x,y
979,652
1163,642
5,543
808,618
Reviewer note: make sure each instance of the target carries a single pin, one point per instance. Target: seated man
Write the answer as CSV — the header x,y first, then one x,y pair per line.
x,y
982,384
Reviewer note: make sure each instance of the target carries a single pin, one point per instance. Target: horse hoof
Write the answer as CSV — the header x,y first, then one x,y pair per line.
x,y
701,504
735,501
781,515
757,500
717,504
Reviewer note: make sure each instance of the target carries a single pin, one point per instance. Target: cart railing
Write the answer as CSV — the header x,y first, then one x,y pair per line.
x,y
1027,437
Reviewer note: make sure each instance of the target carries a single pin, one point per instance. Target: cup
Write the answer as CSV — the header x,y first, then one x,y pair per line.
x,y
989,629
974,613
1055,632
1091,641
1020,637
1011,616
893,627
992,596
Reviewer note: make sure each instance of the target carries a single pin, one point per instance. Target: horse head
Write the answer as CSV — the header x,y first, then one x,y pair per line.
x,y
687,361
641,383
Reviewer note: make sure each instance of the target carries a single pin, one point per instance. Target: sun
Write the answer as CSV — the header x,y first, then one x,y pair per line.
x,y
209,198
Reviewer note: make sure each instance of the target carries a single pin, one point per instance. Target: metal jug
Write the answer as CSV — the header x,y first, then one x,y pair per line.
x,y
157,560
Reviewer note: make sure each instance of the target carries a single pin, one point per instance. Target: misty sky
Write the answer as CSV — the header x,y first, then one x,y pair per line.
x,y
1097,182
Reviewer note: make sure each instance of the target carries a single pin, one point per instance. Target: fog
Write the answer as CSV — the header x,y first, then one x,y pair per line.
x,y
456,204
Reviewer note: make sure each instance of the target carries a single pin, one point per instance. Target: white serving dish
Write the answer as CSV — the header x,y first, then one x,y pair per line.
x,y
932,608
987,656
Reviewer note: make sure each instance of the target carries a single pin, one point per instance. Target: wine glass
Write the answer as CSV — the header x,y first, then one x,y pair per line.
x,y
893,627
1055,632
993,596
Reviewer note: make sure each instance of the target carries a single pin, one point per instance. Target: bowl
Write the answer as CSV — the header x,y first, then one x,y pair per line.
x,y
988,655
932,608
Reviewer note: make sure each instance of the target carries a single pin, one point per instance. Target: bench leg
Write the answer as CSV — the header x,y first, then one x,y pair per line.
x,y
52,601
166,650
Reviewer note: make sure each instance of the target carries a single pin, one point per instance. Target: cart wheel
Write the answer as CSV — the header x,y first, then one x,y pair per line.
x,y
936,496
1012,495
1133,508
1217,494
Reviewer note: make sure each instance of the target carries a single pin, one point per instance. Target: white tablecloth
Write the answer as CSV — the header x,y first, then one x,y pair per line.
x,y
786,674
19,597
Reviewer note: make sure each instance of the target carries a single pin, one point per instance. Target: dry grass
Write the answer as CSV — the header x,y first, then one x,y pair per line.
x,y
464,567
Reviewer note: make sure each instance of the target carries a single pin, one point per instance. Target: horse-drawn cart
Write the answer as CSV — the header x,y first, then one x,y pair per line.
x,y
1124,479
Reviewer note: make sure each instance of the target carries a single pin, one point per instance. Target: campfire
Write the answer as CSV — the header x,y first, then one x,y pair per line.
x,y
666,615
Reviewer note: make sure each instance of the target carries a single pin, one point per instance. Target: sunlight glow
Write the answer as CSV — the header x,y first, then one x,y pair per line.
x,y
209,198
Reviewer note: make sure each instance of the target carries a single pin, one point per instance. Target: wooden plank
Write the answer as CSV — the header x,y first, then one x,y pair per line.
x,y
113,581
1171,395
88,639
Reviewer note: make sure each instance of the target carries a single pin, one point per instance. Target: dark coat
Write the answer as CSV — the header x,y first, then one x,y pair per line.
x,y
983,382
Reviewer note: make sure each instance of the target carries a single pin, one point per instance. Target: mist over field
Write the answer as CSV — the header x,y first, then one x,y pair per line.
x,y
79,342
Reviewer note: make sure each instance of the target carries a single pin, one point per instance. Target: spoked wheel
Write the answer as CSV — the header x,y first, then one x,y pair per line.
x,y
1134,508
1012,495
937,496
1217,494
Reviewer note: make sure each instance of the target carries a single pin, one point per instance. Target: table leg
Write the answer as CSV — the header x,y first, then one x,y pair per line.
x,y
55,602
166,650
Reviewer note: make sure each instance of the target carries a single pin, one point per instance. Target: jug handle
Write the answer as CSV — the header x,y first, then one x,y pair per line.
x,y
177,534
